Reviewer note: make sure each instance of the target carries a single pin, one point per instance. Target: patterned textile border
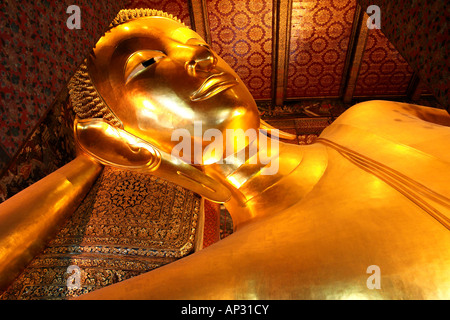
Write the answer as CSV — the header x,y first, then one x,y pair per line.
x,y
303,108
211,233
128,224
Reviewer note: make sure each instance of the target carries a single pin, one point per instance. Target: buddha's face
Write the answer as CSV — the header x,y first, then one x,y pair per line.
x,y
157,76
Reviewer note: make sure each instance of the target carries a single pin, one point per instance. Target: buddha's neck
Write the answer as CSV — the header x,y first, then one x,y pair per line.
x,y
261,186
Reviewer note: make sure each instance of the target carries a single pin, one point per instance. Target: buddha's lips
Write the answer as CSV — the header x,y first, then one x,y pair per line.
x,y
213,85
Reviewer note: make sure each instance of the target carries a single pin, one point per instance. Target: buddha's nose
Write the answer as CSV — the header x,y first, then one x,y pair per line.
x,y
202,59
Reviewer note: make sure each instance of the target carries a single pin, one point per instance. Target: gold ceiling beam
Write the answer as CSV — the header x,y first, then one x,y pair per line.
x,y
357,45
199,19
281,21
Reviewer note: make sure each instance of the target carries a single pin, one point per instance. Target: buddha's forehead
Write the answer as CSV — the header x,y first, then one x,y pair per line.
x,y
112,51
157,31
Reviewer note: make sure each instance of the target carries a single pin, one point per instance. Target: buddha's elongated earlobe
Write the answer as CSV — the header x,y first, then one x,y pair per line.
x,y
117,148
281,134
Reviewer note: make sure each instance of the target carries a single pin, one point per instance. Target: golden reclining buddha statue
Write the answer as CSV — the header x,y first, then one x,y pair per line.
x,y
373,190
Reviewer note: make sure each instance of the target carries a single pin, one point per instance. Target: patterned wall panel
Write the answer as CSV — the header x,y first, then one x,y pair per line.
x,y
178,8
50,146
320,33
38,55
383,70
241,33
419,30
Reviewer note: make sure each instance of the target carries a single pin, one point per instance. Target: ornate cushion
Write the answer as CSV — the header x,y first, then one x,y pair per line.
x,y
128,224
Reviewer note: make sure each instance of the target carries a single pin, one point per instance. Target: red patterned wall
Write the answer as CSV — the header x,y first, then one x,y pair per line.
x,y
241,33
383,70
38,56
211,231
178,8
320,33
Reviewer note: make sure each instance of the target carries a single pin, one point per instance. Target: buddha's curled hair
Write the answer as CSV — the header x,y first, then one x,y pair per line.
x,y
130,14
85,99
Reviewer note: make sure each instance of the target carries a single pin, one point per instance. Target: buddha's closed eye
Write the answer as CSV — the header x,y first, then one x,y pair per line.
x,y
149,62
141,60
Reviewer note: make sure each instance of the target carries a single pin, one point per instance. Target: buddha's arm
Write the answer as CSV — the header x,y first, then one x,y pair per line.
x,y
31,217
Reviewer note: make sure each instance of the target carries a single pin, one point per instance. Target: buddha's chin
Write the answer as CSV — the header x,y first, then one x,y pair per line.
x,y
229,107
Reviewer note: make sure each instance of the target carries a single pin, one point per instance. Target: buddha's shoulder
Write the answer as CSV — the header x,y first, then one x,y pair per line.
x,y
394,114
422,128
